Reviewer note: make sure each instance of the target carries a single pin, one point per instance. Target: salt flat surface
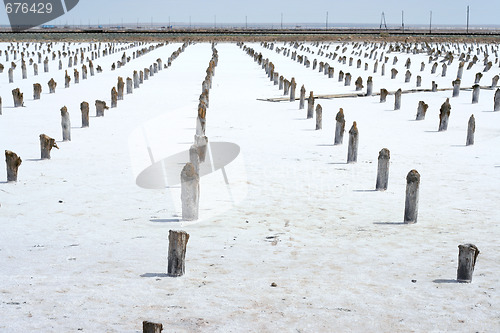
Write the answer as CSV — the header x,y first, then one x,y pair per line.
x,y
84,248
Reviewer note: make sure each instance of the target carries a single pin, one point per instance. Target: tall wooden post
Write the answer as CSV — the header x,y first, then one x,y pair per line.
x,y
411,201
421,110
339,127
397,99
302,97
383,169
496,101
46,145
471,128
319,117
84,107
383,95
190,192
37,90
65,124
444,115
352,150
310,105
177,242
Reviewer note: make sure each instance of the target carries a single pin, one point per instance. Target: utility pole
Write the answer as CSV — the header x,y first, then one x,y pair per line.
x,y
467,19
326,20
281,21
246,22
383,22
403,20
430,23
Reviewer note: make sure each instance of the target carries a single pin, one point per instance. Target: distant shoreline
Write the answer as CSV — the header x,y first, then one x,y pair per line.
x,y
223,34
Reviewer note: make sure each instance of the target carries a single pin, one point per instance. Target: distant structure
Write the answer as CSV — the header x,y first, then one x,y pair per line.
x,y
383,22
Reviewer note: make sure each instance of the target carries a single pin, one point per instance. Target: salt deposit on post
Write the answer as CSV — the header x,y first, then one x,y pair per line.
x,y
411,201
13,162
65,124
467,256
383,169
190,192
177,242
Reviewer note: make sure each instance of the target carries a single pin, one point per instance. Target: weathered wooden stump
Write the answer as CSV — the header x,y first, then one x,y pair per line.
x,y
293,86
149,327
46,65
456,88
190,192
114,98
407,76
146,74
347,81
382,70
339,127
467,256
18,97
67,80
411,201
60,65
120,86
419,81
444,115
46,145
352,149
434,86
471,129
84,72
310,105
37,90
302,97
369,86
443,70
91,68
0,105
129,85
201,143
359,83
478,78
341,76
375,67
76,76
397,99
84,108
11,75
383,169
319,117
383,95
52,86
434,68
475,93
494,81
13,162
100,107
496,100
65,124
23,70
394,73
177,242
35,69
141,77
460,70
421,110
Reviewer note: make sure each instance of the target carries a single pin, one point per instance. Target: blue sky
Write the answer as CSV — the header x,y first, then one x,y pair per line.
x,y
444,12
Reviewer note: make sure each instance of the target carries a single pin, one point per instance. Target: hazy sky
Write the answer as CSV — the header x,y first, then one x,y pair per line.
x,y
444,12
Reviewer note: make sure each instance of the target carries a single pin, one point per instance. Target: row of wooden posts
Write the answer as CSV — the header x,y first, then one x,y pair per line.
x,y
13,161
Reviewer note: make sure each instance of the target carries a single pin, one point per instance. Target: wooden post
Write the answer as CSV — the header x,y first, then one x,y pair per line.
x,y
319,117
141,77
11,75
444,69
84,72
341,76
369,86
46,145
190,192
471,128
421,110
494,81
0,105
100,107
84,107
52,86
66,124
359,83
177,242
478,78
382,71
467,256
149,327
496,101
444,115
347,81
475,93
37,90
194,158
352,150
129,85
434,86
120,86
383,95
35,69
339,127
434,67
310,105
293,86
460,70
136,80
114,98
201,143
397,99
419,81
407,76
302,97
411,201
18,97
13,162
456,88
46,65
67,80
383,169
394,73
91,68
23,70
76,75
